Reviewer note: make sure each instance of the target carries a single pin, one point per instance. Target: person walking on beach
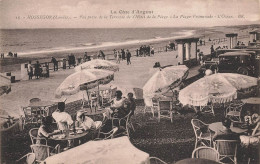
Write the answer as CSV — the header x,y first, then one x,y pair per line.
x,y
115,52
152,51
30,70
102,54
123,54
37,71
85,58
212,51
118,57
128,57
55,63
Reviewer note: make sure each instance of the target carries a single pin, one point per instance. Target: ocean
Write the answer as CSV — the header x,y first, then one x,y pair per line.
x,y
33,41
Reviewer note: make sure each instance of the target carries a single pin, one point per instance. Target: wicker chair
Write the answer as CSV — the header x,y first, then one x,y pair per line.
x,y
206,153
208,109
34,136
227,149
165,110
28,158
233,111
108,135
202,133
43,151
126,120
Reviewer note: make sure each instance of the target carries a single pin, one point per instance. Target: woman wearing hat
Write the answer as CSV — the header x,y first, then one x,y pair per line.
x,y
84,122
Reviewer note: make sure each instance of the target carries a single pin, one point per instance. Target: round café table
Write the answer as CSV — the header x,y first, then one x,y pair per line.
x,y
217,126
41,104
196,161
69,136
251,100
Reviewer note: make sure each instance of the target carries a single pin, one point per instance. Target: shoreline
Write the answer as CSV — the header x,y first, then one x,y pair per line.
x,y
108,45
10,64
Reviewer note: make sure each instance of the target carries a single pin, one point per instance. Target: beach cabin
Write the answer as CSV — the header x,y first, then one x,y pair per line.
x,y
232,39
187,51
254,36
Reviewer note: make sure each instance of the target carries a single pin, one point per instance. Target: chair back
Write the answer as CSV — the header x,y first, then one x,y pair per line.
x,y
139,93
199,127
226,147
165,105
33,135
206,153
41,151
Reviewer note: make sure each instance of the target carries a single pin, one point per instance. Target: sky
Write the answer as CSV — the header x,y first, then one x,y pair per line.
x,y
123,13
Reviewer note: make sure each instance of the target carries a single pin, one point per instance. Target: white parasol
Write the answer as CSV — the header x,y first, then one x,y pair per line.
x,y
216,88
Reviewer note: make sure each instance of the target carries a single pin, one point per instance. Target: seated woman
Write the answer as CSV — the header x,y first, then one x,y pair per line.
x,y
118,105
225,133
45,130
130,103
84,122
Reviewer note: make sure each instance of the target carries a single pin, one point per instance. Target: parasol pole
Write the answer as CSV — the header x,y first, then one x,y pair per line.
x,y
98,97
88,97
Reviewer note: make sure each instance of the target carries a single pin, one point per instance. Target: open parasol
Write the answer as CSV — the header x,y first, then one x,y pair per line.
x,y
98,64
216,88
164,80
83,80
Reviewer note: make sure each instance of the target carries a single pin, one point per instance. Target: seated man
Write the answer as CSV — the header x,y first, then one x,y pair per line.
x,y
84,122
225,133
62,118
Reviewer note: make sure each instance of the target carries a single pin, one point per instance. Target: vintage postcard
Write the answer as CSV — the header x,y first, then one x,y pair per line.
x,y
117,81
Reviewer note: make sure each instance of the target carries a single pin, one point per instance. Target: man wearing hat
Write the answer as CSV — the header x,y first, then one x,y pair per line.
x,y
62,118
84,122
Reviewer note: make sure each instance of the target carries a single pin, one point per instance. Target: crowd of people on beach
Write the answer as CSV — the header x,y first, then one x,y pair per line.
x,y
37,70
123,55
10,54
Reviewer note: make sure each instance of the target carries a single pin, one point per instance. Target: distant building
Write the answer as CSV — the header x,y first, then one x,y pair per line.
x,y
187,51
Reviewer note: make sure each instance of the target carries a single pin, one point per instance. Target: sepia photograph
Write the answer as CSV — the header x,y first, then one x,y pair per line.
x,y
130,82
